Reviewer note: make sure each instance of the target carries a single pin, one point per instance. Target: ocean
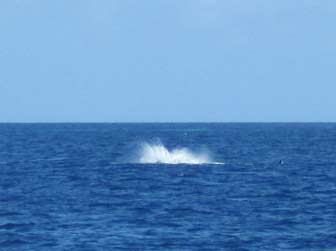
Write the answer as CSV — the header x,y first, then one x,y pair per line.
x,y
166,186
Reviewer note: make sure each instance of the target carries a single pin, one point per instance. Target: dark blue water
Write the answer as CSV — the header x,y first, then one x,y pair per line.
x,y
76,187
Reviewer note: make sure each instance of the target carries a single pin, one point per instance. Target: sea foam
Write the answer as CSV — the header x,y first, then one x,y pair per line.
x,y
158,153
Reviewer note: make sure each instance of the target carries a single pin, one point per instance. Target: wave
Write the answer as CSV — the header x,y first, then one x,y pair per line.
x,y
158,153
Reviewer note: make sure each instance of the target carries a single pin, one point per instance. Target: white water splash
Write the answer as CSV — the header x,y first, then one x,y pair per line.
x,y
157,153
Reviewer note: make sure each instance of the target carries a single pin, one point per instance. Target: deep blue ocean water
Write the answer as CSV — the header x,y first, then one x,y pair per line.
x,y
86,187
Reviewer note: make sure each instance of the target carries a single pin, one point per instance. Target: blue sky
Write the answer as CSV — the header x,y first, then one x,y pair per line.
x,y
167,60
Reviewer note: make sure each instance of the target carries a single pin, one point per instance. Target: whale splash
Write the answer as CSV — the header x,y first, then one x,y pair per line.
x,y
158,153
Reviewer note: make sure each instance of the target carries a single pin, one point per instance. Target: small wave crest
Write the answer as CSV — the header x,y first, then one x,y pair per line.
x,y
158,153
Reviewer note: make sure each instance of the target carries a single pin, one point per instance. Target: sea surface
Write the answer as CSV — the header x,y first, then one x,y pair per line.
x,y
219,186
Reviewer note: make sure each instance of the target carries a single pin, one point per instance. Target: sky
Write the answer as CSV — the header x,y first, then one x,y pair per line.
x,y
167,61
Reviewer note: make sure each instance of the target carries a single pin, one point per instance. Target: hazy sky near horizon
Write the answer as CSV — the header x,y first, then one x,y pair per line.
x,y
172,60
